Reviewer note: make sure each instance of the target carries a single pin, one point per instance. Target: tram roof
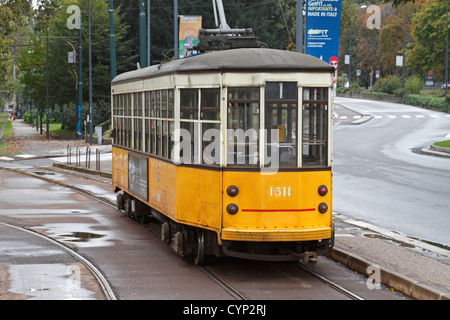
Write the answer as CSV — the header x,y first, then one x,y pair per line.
x,y
249,59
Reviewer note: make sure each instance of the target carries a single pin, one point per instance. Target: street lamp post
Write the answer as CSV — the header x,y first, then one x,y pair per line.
x,y
142,34
299,35
148,33
80,84
175,29
48,129
112,40
446,55
90,74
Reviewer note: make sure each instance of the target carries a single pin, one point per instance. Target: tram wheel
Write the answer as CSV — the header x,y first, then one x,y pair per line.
x,y
199,258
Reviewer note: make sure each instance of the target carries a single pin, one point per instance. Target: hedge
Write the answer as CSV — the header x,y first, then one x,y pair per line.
x,y
429,102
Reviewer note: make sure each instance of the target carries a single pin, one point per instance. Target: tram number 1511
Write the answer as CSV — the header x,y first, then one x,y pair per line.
x,y
280,191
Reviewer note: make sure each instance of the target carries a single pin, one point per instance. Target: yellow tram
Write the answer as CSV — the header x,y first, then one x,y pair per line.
x,y
230,151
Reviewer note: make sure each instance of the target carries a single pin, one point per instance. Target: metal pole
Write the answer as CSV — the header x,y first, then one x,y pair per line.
x,y
446,56
47,93
112,40
222,18
148,33
80,84
32,113
350,58
299,36
404,44
142,36
90,74
175,29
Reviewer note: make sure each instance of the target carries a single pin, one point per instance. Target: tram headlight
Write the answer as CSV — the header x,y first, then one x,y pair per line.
x,y
232,191
232,208
323,190
323,207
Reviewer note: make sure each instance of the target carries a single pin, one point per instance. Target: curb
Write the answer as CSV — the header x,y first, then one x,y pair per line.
x,y
404,284
84,170
363,119
439,149
437,152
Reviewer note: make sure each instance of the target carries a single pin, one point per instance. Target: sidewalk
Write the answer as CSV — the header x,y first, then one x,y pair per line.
x,y
413,267
32,144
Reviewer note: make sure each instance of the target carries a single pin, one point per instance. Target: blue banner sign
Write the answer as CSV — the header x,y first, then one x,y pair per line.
x,y
322,29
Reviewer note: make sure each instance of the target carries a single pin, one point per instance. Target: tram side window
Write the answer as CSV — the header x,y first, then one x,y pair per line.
x,y
189,104
243,126
281,119
170,102
210,104
147,100
315,127
188,139
137,113
210,111
158,123
200,115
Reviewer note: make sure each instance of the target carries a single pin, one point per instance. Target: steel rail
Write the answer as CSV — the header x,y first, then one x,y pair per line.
x,y
229,289
107,291
331,283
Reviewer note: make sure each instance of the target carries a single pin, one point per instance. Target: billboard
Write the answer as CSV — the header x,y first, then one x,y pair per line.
x,y
322,29
188,35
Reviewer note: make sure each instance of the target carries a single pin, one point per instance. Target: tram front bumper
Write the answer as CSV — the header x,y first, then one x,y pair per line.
x,y
306,234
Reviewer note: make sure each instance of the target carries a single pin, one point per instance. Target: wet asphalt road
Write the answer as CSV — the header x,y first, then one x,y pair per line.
x,y
129,255
32,268
379,176
137,263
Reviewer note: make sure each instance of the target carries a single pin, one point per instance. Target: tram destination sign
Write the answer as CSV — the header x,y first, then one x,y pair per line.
x,y
322,29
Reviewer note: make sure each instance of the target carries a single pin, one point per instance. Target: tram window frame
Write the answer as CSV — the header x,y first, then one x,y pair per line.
x,y
281,113
137,121
192,128
197,107
147,99
158,114
147,136
210,104
189,100
315,126
246,101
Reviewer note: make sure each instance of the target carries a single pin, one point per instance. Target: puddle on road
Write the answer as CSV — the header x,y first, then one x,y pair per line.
x,y
46,282
97,191
42,173
82,236
87,234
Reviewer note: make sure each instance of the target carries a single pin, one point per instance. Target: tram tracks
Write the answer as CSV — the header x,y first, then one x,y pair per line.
x,y
154,227
236,293
330,283
106,288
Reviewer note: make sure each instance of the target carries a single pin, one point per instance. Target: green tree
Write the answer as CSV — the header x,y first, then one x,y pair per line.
x,y
265,17
62,75
427,52
13,14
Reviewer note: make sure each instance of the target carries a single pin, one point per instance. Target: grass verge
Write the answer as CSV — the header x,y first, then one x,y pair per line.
x,y
445,144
